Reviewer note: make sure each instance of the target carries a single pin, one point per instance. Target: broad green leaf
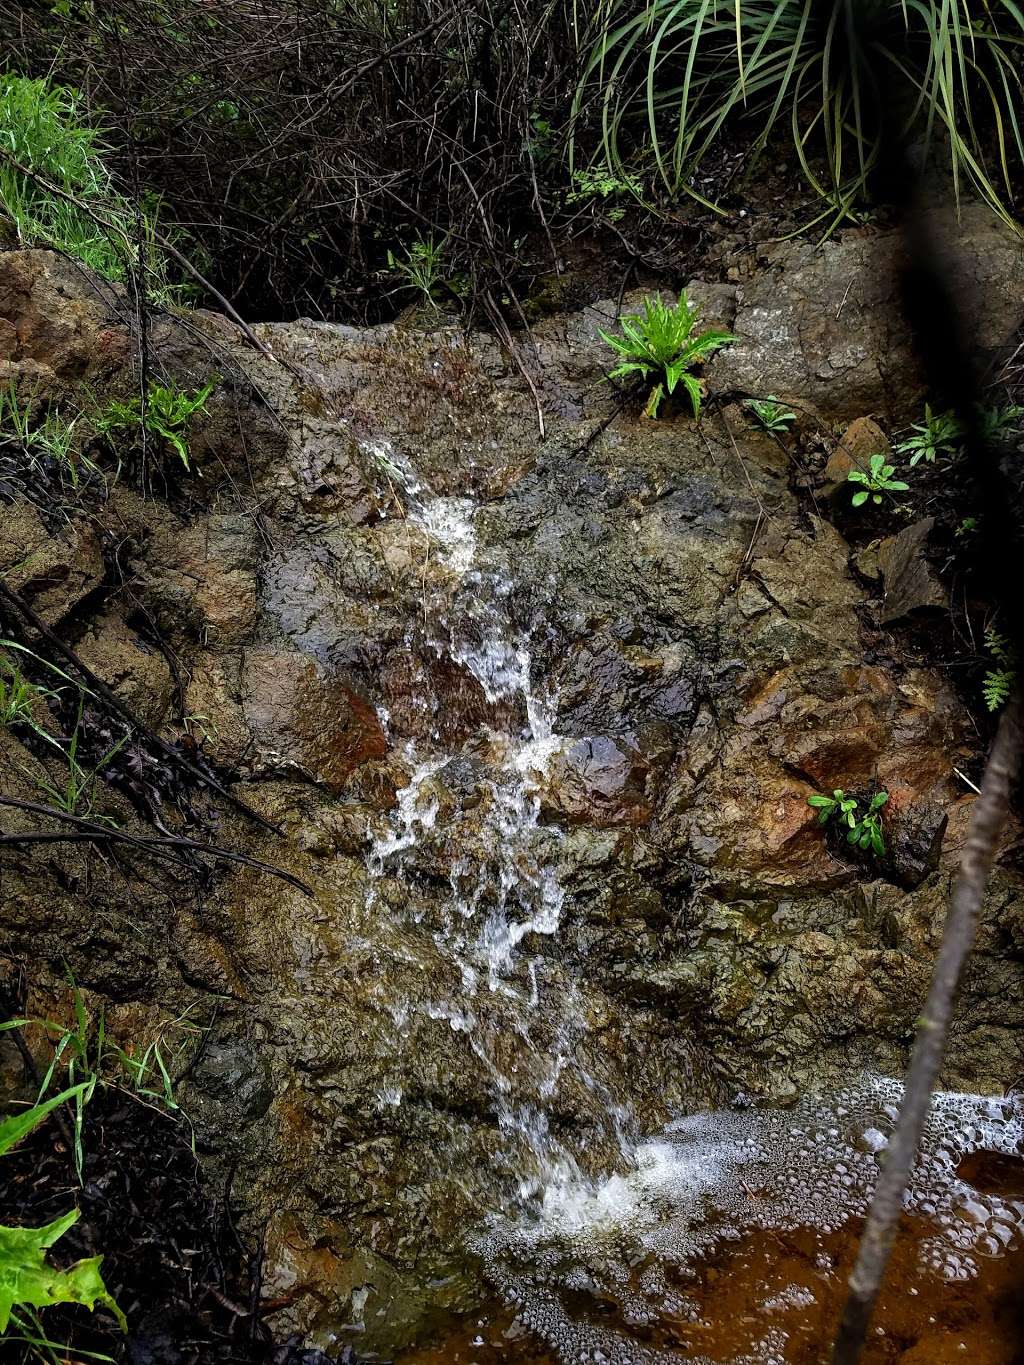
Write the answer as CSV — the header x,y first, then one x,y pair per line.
x,y
693,388
27,1281
859,499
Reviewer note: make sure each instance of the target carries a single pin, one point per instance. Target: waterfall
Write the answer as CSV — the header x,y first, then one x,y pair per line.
x,y
498,903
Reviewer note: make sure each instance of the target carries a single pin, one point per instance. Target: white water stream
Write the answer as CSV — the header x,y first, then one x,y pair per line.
x,y
497,903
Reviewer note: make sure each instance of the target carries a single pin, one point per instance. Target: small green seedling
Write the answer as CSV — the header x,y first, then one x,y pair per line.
x,y
772,415
862,831
876,480
998,682
660,344
939,433
967,527
866,832
992,422
838,805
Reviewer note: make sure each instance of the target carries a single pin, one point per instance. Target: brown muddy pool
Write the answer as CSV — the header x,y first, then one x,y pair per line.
x,y
730,1240
794,1282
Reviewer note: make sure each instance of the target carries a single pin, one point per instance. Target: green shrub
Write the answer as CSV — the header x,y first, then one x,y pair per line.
x,y
43,129
670,74
660,344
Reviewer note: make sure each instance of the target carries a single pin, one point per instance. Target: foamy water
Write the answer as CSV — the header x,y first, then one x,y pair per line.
x,y
713,1178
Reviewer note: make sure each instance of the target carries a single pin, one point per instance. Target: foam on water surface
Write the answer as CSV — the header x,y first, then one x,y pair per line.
x,y
632,1249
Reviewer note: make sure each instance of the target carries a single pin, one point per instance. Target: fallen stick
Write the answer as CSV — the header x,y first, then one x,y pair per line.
x,y
160,846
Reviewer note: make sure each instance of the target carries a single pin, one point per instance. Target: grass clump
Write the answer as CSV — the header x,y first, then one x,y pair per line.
x,y
55,188
661,344
670,77
35,440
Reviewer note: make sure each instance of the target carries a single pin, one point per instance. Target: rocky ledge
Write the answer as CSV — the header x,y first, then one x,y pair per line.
x,y
712,657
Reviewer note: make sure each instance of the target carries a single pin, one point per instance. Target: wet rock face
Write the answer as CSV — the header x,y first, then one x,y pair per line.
x,y
306,719
539,720
597,782
53,329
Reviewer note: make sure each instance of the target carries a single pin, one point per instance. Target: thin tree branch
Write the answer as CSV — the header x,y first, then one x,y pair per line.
x,y
101,689
91,830
987,817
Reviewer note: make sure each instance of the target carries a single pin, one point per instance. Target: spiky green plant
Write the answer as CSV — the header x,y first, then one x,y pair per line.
x,y
660,344
671,74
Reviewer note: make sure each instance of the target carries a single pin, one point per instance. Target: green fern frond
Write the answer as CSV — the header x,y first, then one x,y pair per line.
x,y
997,686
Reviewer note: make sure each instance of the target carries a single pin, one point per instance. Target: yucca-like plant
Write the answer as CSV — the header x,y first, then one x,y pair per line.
x,y
673,72
660,344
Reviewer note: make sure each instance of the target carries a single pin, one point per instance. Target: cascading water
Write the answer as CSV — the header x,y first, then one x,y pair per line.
x,y
511,891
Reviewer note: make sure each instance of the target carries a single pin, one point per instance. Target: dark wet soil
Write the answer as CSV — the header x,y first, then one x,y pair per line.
x,y
187,1284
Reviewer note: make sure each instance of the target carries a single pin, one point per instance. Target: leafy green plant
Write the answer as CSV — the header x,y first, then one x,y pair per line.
x,y
169,410
994,421
866,832
167,413
671,76
770,414
999,681
863,830
598,183
660,344
877,480
940,432
837,806
28,1283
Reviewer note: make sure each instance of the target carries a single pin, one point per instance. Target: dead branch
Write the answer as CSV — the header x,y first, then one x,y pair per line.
x,y
987,817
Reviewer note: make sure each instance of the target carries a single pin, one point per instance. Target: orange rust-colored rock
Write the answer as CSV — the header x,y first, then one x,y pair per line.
x,y
305,718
